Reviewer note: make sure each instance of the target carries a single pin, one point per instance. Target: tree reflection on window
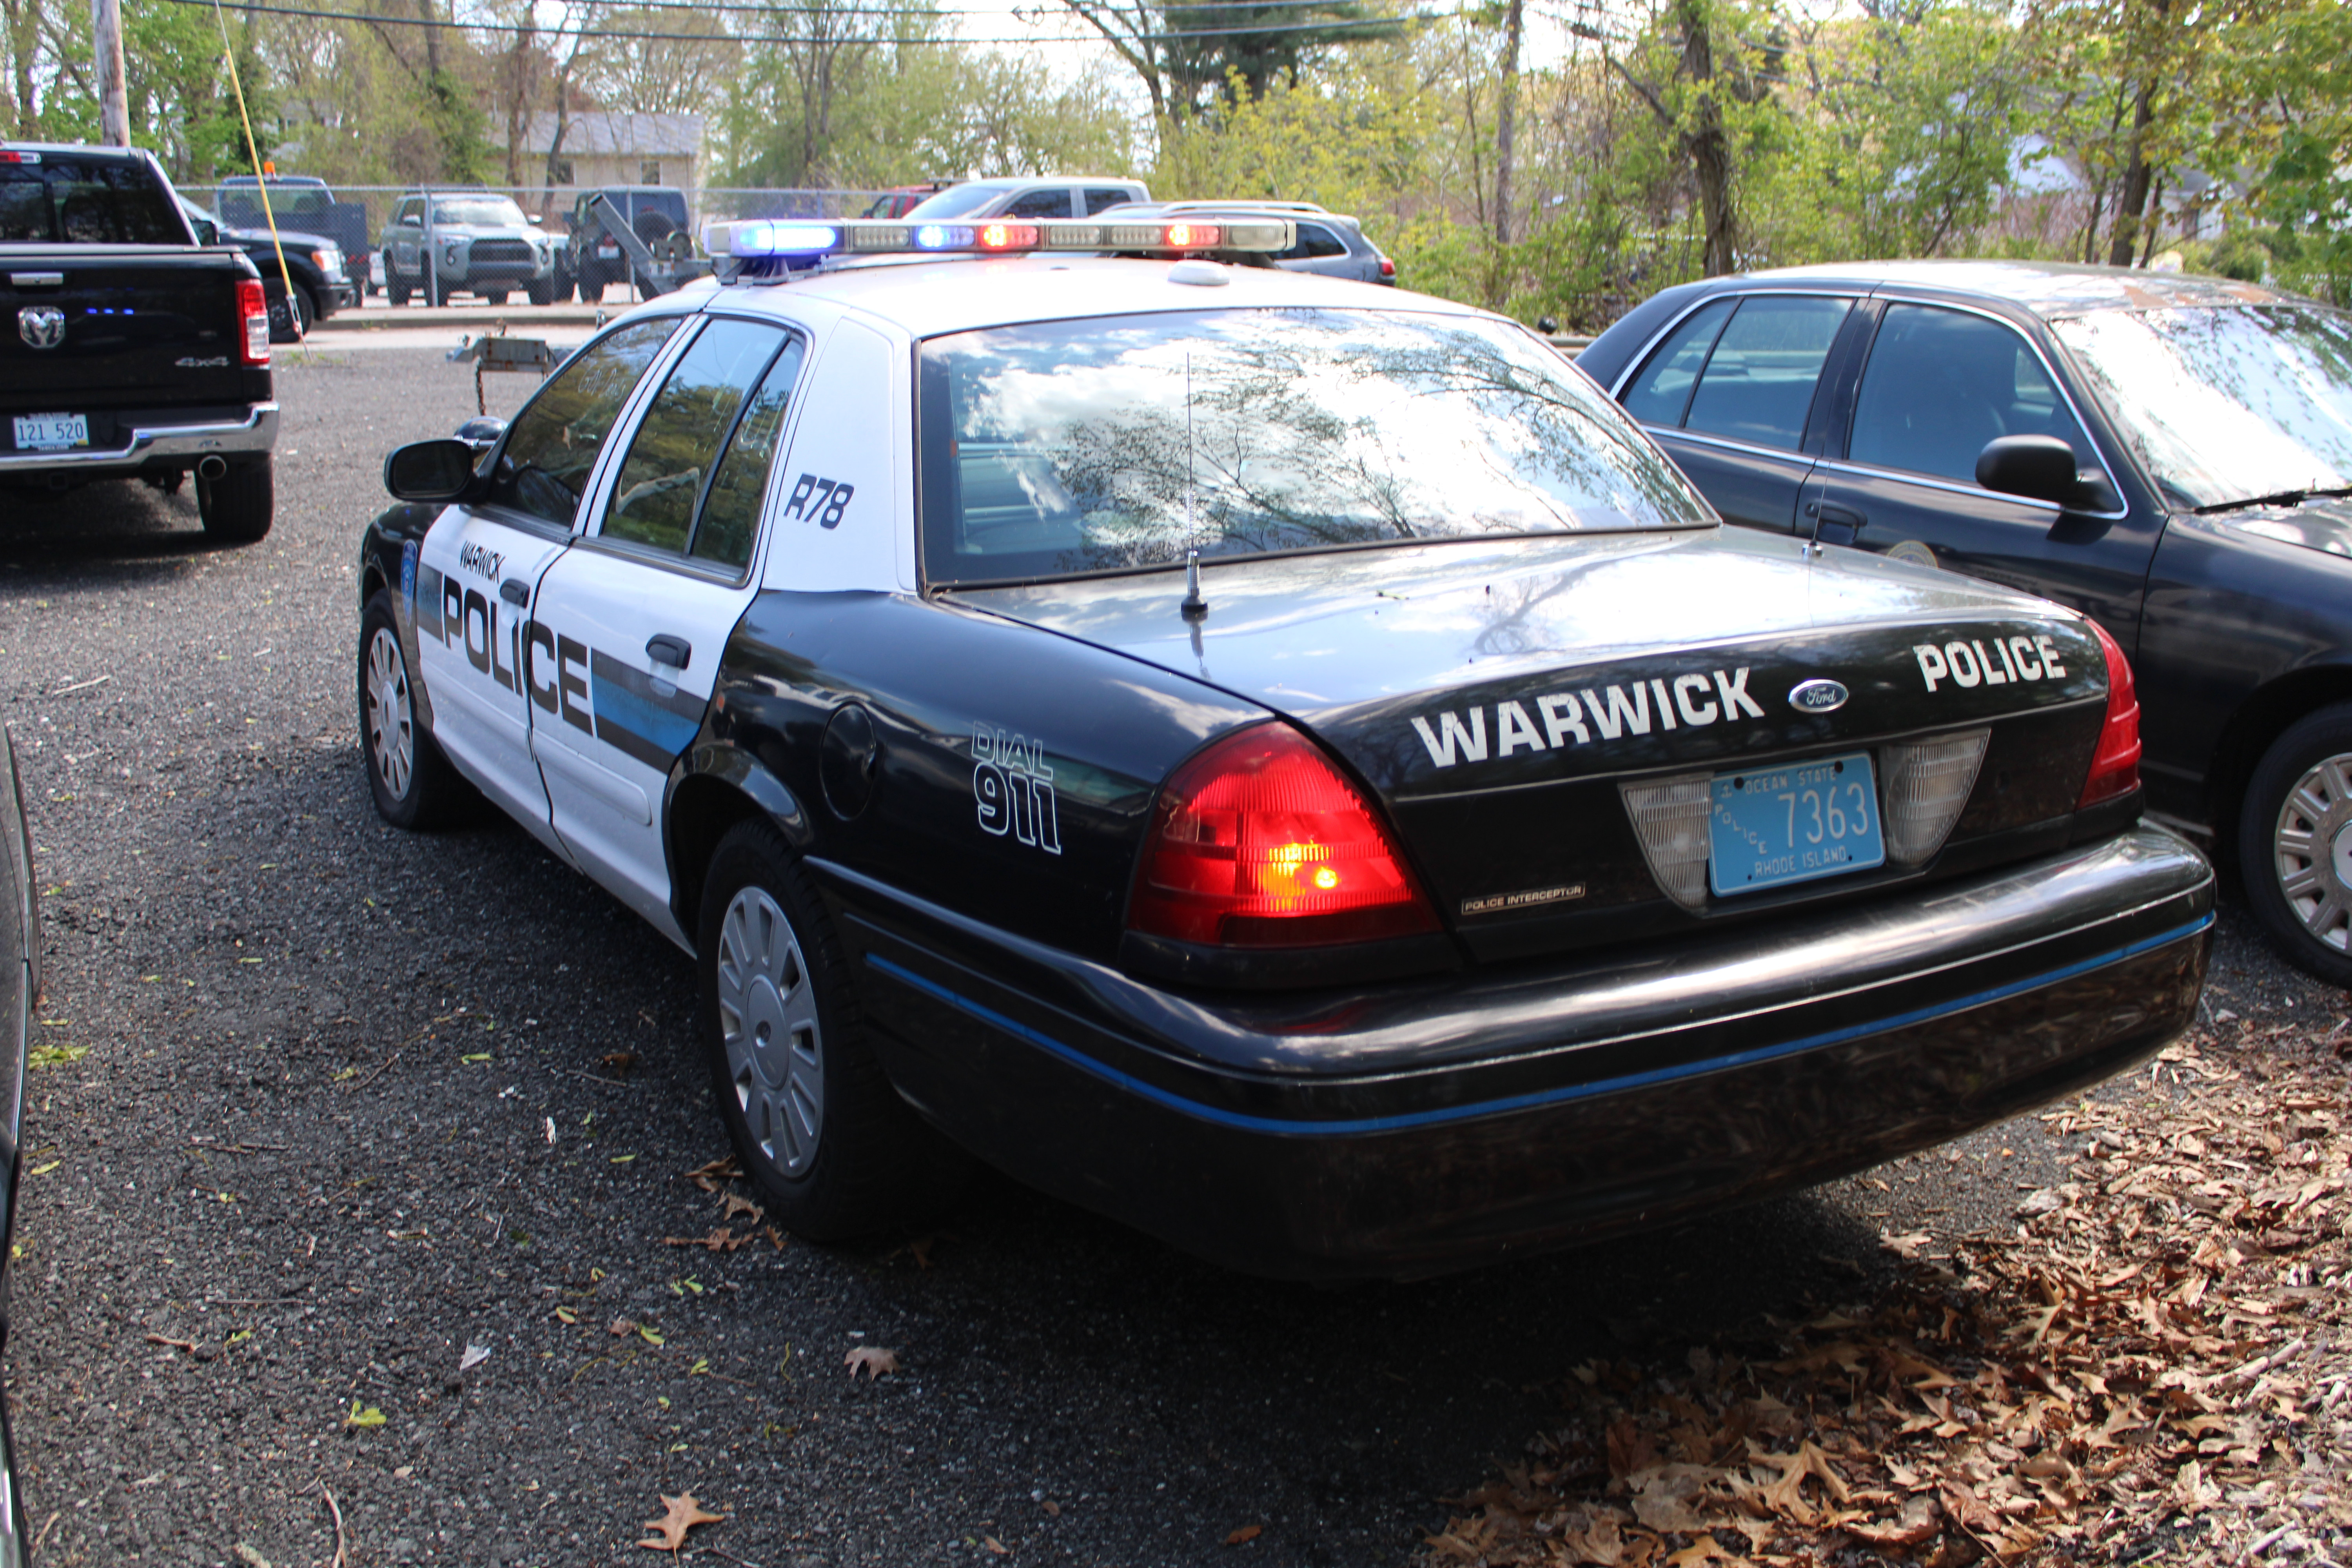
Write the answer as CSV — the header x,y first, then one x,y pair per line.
x,y
1086,446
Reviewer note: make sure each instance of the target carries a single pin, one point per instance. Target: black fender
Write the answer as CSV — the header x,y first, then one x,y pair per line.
x,y
713,786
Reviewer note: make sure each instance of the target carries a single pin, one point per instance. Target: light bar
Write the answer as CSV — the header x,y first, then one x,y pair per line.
x,y
753,240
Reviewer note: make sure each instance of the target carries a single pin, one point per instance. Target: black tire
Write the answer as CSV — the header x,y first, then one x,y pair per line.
x,y
495,296
541,291
237,507
817,1127
395,286
285,327
2295,844
592,286
413,783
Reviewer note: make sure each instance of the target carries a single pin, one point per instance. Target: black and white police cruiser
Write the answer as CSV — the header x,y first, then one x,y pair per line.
x,y
1283,764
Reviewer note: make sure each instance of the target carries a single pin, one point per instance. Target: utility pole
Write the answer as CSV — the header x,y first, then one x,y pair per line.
x,y
113,92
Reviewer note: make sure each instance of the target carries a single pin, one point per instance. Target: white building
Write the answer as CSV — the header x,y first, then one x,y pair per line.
x,y
607,148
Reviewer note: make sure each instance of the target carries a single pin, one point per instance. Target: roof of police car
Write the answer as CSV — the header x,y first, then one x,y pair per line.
x,y
929,296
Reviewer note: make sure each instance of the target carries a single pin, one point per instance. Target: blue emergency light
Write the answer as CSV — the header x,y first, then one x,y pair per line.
x,y
753,240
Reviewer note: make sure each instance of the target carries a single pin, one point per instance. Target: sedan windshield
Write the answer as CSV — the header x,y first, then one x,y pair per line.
x,y
1122,442
494,212
2225,403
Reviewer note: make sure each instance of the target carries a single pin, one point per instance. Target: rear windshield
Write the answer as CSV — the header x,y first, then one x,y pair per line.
x,y
1124,442
77,201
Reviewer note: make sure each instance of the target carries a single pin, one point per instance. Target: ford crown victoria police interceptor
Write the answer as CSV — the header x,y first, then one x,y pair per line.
x,y
1284,764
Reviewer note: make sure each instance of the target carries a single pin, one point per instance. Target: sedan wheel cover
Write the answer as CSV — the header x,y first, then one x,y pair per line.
x,y
768,1026
390,726
2312,852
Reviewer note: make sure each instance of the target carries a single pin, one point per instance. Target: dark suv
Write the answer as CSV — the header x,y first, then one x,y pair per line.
x,y
594,260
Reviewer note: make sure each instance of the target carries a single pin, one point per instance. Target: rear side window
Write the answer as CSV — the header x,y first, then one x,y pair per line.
x,y
1759,382
1055,202
74,201
1314,240
543,468
676,452
1942,383
1659,393
1098,199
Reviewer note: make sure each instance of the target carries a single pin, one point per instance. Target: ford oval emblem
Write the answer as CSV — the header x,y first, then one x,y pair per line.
x,y
1817,697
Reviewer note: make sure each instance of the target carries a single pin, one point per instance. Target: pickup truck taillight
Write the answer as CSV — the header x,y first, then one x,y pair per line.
x,y
253,305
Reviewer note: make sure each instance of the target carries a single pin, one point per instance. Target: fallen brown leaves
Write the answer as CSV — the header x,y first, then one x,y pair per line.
x,y
872,1360
2159,1345
680,1514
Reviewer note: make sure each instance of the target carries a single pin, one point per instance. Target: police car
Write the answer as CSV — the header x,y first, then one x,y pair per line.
x,y
1283,763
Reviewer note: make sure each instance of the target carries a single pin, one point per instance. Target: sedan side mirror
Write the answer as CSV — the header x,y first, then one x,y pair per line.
x,y
2039,468
429,471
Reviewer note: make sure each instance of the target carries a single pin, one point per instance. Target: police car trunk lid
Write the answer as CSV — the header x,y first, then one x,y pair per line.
x,y
1497,697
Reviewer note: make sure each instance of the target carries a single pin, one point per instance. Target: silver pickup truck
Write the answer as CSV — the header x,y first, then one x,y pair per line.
x,y
128,350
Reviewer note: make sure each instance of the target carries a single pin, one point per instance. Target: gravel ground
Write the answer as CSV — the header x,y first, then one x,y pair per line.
x,y
322,1105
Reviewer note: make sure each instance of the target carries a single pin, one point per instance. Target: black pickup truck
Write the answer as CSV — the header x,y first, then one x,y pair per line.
x,y
135,351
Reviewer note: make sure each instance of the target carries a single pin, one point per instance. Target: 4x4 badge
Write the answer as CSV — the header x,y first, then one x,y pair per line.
x,y
43,326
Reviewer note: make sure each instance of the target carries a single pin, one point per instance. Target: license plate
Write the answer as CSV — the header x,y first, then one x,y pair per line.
x,y
608,249
1791,823
51,432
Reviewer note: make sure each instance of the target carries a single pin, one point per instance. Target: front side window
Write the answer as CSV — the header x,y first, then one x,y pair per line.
x,y
1758,385
543,467
1099,200
2225,403
1941,385
1125,442
411,212
677,448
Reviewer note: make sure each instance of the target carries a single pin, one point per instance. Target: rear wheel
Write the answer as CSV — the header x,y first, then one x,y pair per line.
x,y
413,783
237,507
288,327
816,1126
395,286
2295,844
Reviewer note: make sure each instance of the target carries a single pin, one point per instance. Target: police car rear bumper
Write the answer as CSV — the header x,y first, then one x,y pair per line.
x,y
160,445
1437,1124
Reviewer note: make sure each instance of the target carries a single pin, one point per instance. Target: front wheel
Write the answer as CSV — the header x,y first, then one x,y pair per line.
x,y
413,783
2295,844
495,296
395,286
237,507
816,1125
541,291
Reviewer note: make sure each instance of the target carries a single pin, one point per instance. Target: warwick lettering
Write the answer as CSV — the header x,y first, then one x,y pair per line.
x,y
1576,717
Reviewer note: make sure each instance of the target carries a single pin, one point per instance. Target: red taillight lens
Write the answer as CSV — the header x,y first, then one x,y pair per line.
x,y
1259,842
253,305
2114,766
1388,268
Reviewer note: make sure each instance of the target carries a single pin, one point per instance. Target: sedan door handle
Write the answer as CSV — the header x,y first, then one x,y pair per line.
x,y
515,592
664,649
1834,524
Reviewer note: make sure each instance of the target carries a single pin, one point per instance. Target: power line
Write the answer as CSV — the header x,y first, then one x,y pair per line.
x,y
651,37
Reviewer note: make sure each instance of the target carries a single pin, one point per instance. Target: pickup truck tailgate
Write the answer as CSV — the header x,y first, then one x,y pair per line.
x,y
144,327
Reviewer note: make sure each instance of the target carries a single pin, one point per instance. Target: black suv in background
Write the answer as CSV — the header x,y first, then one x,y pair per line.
x,y
319,268
591,260
2172,454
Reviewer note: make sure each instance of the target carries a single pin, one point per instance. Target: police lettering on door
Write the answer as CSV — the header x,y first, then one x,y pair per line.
x,y
608,698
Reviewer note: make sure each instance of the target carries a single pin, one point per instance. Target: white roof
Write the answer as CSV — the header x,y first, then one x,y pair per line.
x,y
926,298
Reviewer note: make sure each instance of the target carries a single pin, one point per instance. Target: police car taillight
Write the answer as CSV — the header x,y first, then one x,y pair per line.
x,y
1260,842
759,239
2114,766
253,305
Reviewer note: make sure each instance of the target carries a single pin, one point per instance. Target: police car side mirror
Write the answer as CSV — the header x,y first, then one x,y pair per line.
x,y
481,432
2039,468
430,470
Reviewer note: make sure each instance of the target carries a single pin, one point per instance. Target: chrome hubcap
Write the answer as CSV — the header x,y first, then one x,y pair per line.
x,y
767,1022
391,728
2312,850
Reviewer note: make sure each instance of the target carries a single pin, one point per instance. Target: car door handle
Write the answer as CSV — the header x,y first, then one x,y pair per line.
x,y
664,649
1834,524
515,592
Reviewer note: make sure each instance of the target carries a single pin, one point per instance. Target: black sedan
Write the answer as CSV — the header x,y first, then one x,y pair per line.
x,y
2170,455
1282,762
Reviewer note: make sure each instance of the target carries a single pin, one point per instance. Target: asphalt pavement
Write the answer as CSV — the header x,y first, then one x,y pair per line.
x,y
357,1209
